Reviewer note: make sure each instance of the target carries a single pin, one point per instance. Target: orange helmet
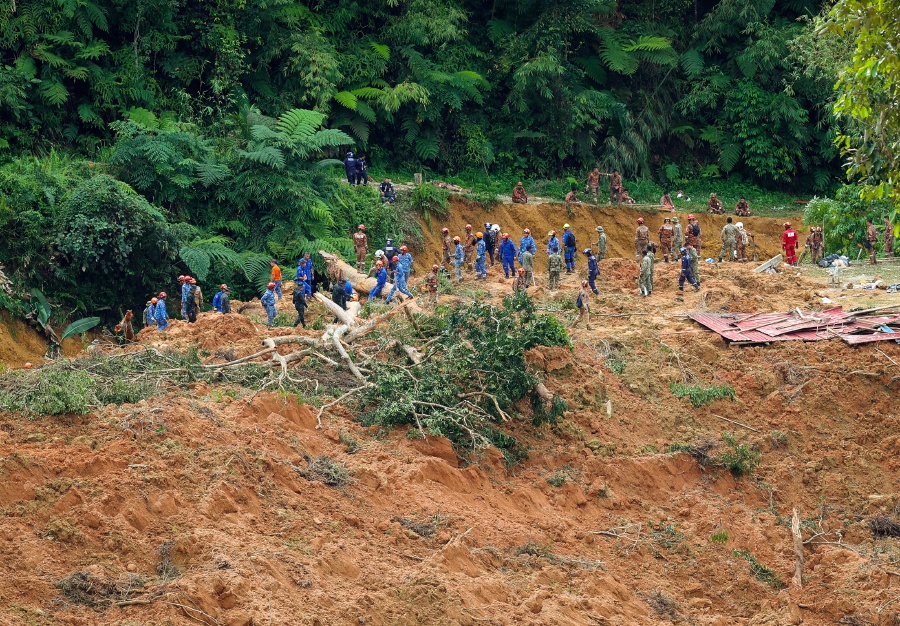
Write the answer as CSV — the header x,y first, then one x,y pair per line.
x,y
379,264
505,235
153,300
456,239
479,235
181,278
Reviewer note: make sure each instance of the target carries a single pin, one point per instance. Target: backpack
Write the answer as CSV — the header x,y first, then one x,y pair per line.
x,y
578,302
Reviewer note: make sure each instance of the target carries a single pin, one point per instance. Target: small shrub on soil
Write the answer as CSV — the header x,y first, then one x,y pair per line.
x,y
660,602
760,571
327,471
351,445
557,480
698,450
165,566
89,590
719,537
699,395
423,529
778,439
883,526
740,459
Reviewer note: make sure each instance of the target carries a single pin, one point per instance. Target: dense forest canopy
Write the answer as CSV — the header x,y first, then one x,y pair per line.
x,y
665,88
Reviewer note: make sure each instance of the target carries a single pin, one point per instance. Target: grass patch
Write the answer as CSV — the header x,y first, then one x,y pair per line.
x,y
739,458
700,395
760,572
719,537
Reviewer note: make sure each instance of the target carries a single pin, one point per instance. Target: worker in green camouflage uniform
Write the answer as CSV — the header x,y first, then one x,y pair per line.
x,y
729,241
528,264
601,244
695,261
554,265
678,241
646,270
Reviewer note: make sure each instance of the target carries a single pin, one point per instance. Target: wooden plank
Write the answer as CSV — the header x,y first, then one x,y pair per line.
x,y
775,260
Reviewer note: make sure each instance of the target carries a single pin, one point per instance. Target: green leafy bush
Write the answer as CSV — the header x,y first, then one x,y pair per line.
x,y
740,459
699,395
760,572
475,371
53,392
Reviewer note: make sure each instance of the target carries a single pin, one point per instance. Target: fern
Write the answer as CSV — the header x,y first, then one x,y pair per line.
x,y
692,63
346,99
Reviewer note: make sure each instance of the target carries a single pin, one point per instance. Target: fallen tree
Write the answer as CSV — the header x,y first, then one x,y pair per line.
x,y
337,268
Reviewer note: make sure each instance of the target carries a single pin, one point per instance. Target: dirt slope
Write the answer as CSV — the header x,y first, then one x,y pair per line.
x,y
199,495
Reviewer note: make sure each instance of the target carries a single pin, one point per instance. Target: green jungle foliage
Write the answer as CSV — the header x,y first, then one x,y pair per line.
x,y
843,219
673,88
475,369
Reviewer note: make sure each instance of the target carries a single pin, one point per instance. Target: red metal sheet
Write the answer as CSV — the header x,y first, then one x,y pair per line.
x,y
855,340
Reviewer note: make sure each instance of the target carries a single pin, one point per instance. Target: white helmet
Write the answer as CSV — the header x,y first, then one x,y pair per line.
x,y
379,254
496,228
739,225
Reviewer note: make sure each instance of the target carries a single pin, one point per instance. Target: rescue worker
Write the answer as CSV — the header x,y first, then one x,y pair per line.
x,y
276,277
362,170
300,306
388,195
495,231
666,237
185,294
307,264
528,263
225,302
742,239
191,306
729,241
593,184
161,314
150,313
197,293
624,198
615,187
572,196
554,267
525,243
390,252
789,244
400,277
552,243
570,247
686,273
338,296
888,238
666,203
593,270
489,241
469,246
644,278
694,258
447,247
380,280
480,249
601,243
651,253
518,194
406,260
520,284
715,205
350,168
459,256
819,243
742,208
268,302
677,237
431,281
871,240
508,255
302,280
693,236
584,307
811,245
361,245
217,299
641,239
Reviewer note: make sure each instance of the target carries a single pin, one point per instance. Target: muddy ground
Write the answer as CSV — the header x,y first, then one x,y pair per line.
x,y
191,507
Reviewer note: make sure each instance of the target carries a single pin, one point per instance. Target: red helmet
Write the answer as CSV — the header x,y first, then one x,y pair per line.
x,y
505,235
435,268
584,283
162,295
223,286
787,224
180,278
271,286
404,249
362,227
468,227
521,270
445,230
640,220
690,216
395,259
